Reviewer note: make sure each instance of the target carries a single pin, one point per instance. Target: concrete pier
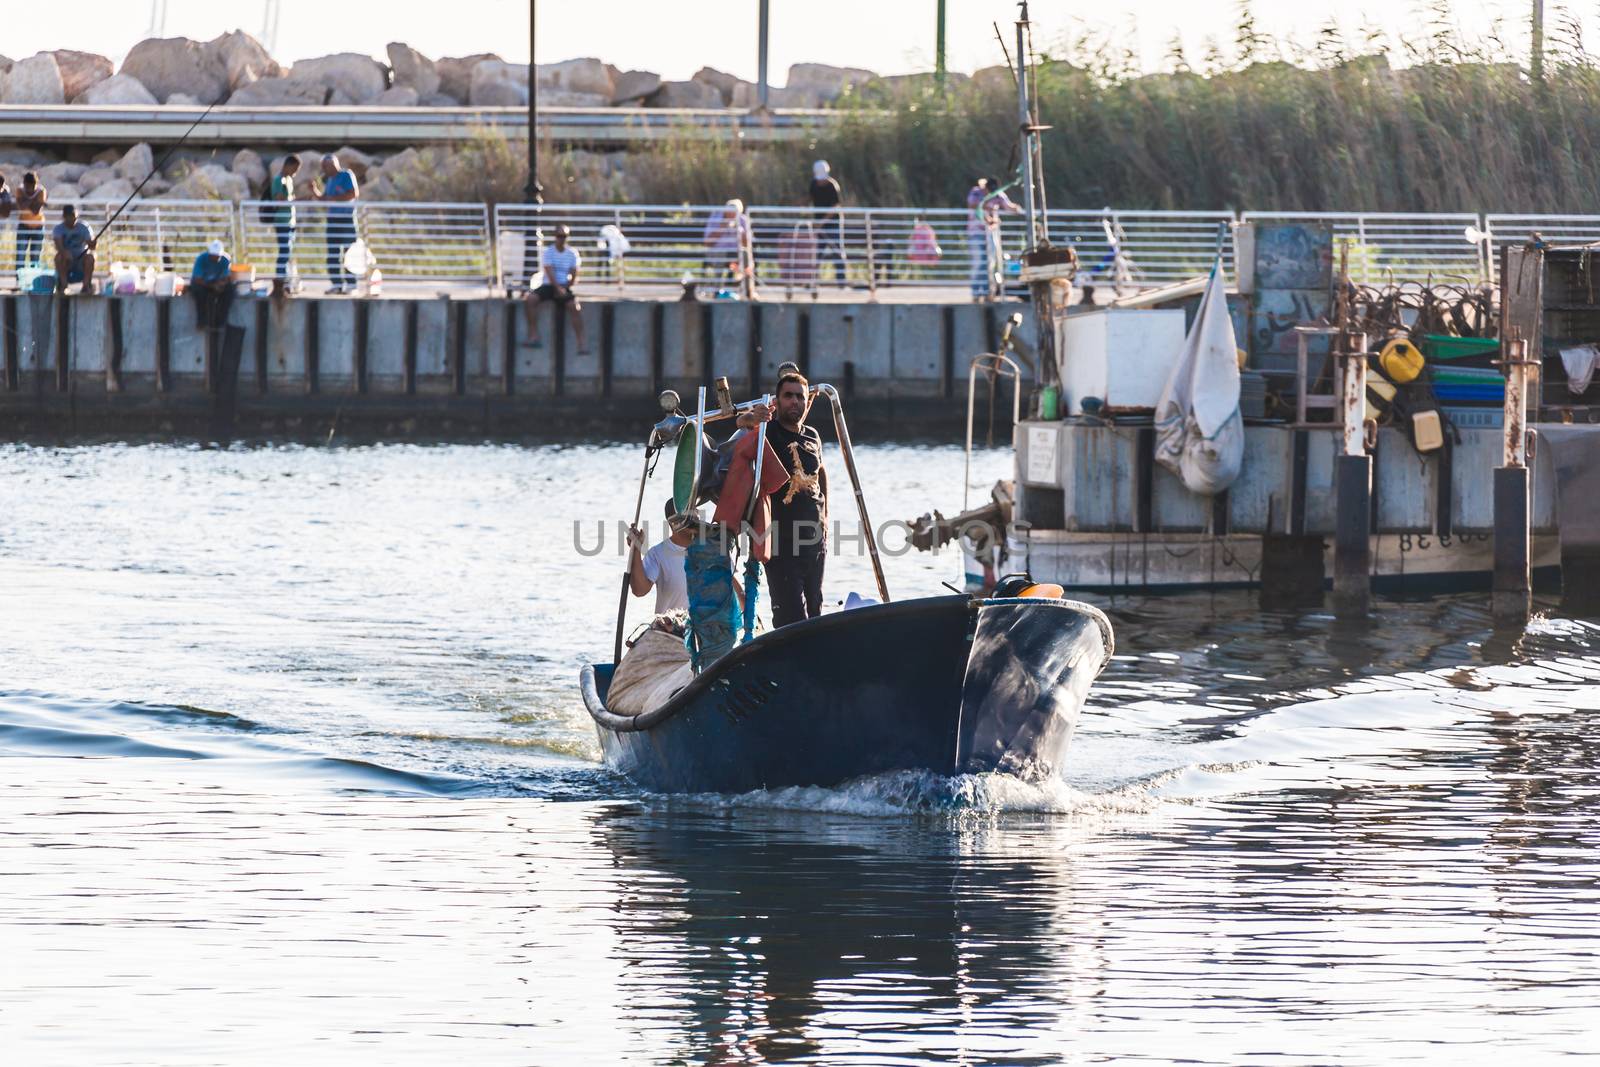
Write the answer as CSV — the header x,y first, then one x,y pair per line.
x,y
92,364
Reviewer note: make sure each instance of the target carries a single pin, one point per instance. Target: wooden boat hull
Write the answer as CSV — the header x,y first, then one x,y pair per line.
x,y
942,684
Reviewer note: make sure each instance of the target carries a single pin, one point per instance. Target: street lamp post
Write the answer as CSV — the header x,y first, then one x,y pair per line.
x,y
1536,58
530,194
761,58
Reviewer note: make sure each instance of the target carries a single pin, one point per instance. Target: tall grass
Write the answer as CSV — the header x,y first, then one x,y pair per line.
x,y
1437,123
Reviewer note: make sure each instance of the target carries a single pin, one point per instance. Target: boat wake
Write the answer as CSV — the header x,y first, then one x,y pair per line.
x,y
237,750
964,797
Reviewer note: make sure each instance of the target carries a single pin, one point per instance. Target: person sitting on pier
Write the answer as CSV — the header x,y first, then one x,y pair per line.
x,y
211,285
74,245
558,274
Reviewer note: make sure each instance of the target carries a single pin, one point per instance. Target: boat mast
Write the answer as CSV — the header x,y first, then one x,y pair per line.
x,y
1047,271
1028,128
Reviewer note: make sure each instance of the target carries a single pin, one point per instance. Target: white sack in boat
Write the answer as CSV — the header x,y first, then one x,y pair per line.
x,y
650,674
1199,431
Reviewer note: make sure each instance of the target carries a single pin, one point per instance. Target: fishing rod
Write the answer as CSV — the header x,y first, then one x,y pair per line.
x,y
154,171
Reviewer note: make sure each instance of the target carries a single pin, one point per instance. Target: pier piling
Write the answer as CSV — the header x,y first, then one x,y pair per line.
x,y
1352,539
1511,599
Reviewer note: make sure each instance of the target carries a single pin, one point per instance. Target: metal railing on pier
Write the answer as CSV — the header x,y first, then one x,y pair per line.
x,y
936,252
433,243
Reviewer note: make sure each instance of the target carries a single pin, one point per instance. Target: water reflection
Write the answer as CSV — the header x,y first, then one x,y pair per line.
x,y
790,936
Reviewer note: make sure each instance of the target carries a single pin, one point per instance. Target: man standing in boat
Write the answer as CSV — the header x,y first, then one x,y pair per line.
x,y
798,537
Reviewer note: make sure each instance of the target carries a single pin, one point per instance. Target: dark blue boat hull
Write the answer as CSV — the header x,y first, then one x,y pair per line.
x,y
874,689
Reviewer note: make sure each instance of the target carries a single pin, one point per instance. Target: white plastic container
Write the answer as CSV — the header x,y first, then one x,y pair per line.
x,y
1120,355
166,284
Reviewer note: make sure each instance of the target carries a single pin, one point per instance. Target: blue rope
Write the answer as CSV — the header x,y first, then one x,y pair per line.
x,y
752,587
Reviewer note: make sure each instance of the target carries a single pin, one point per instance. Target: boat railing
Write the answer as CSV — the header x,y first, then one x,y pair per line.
x,y
995,365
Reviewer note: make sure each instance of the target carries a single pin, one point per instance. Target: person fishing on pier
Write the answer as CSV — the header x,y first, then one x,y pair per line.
x,y
211,287
74,244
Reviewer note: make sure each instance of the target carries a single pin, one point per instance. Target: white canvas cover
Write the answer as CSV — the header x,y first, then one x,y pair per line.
x,y
650,674
1199,431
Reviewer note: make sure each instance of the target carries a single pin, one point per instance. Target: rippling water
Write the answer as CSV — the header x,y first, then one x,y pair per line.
x,y
295,769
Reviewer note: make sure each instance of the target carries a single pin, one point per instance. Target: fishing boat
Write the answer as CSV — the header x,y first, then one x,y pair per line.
x,y
950,684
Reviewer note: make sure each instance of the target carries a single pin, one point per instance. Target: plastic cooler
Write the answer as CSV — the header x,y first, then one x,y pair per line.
x,y
1445,349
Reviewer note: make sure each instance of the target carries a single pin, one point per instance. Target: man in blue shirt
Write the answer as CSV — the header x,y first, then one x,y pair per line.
x,y
211,285
74,251
339,190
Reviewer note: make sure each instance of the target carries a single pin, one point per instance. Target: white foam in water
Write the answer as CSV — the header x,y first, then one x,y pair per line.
x,y
900,793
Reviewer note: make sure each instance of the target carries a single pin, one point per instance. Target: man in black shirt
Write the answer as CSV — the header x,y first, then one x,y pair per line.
x,y
798,537
825,197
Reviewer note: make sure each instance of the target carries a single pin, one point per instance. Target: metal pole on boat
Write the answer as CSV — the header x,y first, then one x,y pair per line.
x,y
855,483
1025,125
627,567
751,572
699,451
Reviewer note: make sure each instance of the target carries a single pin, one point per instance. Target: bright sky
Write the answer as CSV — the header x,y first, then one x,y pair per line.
x,y
676,37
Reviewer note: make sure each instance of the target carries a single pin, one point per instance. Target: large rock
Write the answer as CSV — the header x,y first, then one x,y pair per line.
x,y
745,95
242,58
35,80
455,74
634,85
413,70
356,161
439,100
397,96
183,100
578,76
119,89
60,174
95,177
210,181
562,98
116,190
995,78
827,82
248,165
169,66
685,94
361,79
136,163
496,83
721,81
80,70
278,92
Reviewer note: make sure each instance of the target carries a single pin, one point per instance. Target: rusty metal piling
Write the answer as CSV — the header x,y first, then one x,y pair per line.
x,y
1511,589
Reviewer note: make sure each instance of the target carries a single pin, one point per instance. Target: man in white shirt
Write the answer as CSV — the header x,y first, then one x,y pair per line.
x,y
661,567
558,273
